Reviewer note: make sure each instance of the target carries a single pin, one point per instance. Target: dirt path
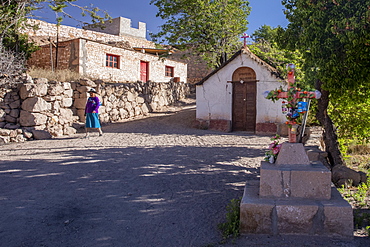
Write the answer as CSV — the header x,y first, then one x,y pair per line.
x,y
149,182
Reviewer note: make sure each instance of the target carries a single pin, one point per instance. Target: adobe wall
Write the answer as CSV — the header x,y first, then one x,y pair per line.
x,y
46,30
68,56
39,109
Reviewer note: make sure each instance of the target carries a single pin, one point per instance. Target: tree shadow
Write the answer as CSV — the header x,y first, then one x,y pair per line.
x,y
133,196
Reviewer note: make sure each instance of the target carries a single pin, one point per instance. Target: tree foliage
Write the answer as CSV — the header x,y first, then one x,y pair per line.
x,y
266,46
14,45
210,28
14,13
334,39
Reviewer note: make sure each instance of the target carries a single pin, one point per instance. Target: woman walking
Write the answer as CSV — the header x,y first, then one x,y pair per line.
x,y
92,113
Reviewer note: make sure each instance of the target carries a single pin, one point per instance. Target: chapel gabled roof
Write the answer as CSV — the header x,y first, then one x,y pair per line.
x,y
244,50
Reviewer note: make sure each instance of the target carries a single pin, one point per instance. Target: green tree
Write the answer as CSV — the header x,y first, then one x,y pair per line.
x,y
210,29
14,46
266,46
14,13
334,38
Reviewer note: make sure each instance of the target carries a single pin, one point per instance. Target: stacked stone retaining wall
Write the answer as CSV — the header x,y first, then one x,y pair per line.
x,y
41,109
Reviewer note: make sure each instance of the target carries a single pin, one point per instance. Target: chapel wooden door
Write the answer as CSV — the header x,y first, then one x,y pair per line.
x,y
244,99
144,71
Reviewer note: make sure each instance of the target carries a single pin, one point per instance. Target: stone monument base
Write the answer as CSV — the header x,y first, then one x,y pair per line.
x,y
295,216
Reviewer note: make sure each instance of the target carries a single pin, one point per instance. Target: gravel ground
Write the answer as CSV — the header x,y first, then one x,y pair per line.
x,y
149,182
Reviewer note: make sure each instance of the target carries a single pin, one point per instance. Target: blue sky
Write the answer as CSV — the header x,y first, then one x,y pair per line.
x,y
268,12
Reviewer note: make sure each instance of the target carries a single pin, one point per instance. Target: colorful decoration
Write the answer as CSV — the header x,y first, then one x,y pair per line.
x,y
274,149
291,108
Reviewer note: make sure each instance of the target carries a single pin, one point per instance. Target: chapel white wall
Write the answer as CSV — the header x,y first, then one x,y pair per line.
x,y
214,97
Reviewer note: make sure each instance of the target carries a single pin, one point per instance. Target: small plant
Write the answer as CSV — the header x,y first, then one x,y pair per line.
x,y
361,194
231,227
274,149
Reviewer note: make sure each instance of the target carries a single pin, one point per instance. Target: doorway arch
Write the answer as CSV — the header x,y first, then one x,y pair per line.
x,y
244,100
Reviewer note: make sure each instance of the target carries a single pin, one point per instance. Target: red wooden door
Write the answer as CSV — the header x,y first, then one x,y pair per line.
x,y
244,99
144,71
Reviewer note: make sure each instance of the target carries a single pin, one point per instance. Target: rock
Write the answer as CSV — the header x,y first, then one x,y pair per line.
x,y
83,89
123,113
10,119
131,97
137,111
67,102
2,115
68,93
56,130
40,80
81,115
32,90
32,119
69,131
5,132
13,133
145,109
79,127
11,126
140,100
50,98
55,89
41,135
342,175
4,139
66,116
67,86
36,104
79,103
27,134
27,78
18,138
14,113
87,82
15,104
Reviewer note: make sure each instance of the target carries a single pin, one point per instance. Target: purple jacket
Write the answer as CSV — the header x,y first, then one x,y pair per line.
x,y
92,104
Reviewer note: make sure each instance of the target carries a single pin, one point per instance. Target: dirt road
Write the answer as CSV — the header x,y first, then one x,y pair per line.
x,y
149,182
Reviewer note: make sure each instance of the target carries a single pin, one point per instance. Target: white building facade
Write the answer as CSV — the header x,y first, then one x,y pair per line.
x,y
231,97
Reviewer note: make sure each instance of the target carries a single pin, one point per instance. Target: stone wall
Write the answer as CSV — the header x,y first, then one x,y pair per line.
x,y
41,109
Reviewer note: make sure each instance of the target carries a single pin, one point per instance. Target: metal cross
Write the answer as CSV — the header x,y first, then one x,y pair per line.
x,y
245,37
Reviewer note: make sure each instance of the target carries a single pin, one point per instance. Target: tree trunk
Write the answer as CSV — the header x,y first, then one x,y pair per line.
x,y
329,135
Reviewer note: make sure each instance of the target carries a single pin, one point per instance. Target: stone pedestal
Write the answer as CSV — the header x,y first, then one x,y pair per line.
x,y
294,198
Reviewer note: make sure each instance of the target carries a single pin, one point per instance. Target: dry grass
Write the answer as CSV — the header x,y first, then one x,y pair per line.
x,y
359,149
58,75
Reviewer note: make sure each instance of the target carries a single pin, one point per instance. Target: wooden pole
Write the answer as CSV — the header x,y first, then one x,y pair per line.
x,y
51,55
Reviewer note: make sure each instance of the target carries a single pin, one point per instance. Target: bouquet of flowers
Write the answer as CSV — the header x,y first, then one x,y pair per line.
x,y
274,149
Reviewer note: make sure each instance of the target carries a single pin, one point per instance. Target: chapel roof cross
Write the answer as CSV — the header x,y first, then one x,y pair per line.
x,y
245,37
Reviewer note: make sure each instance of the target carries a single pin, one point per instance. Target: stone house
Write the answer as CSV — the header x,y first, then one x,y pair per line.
x,y
117,53
231,97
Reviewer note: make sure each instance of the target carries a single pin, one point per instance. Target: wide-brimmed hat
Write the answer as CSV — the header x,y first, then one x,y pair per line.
x,y
93,91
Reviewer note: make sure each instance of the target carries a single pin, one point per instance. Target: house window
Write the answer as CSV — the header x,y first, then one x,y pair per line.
x,y
169,71
112,61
